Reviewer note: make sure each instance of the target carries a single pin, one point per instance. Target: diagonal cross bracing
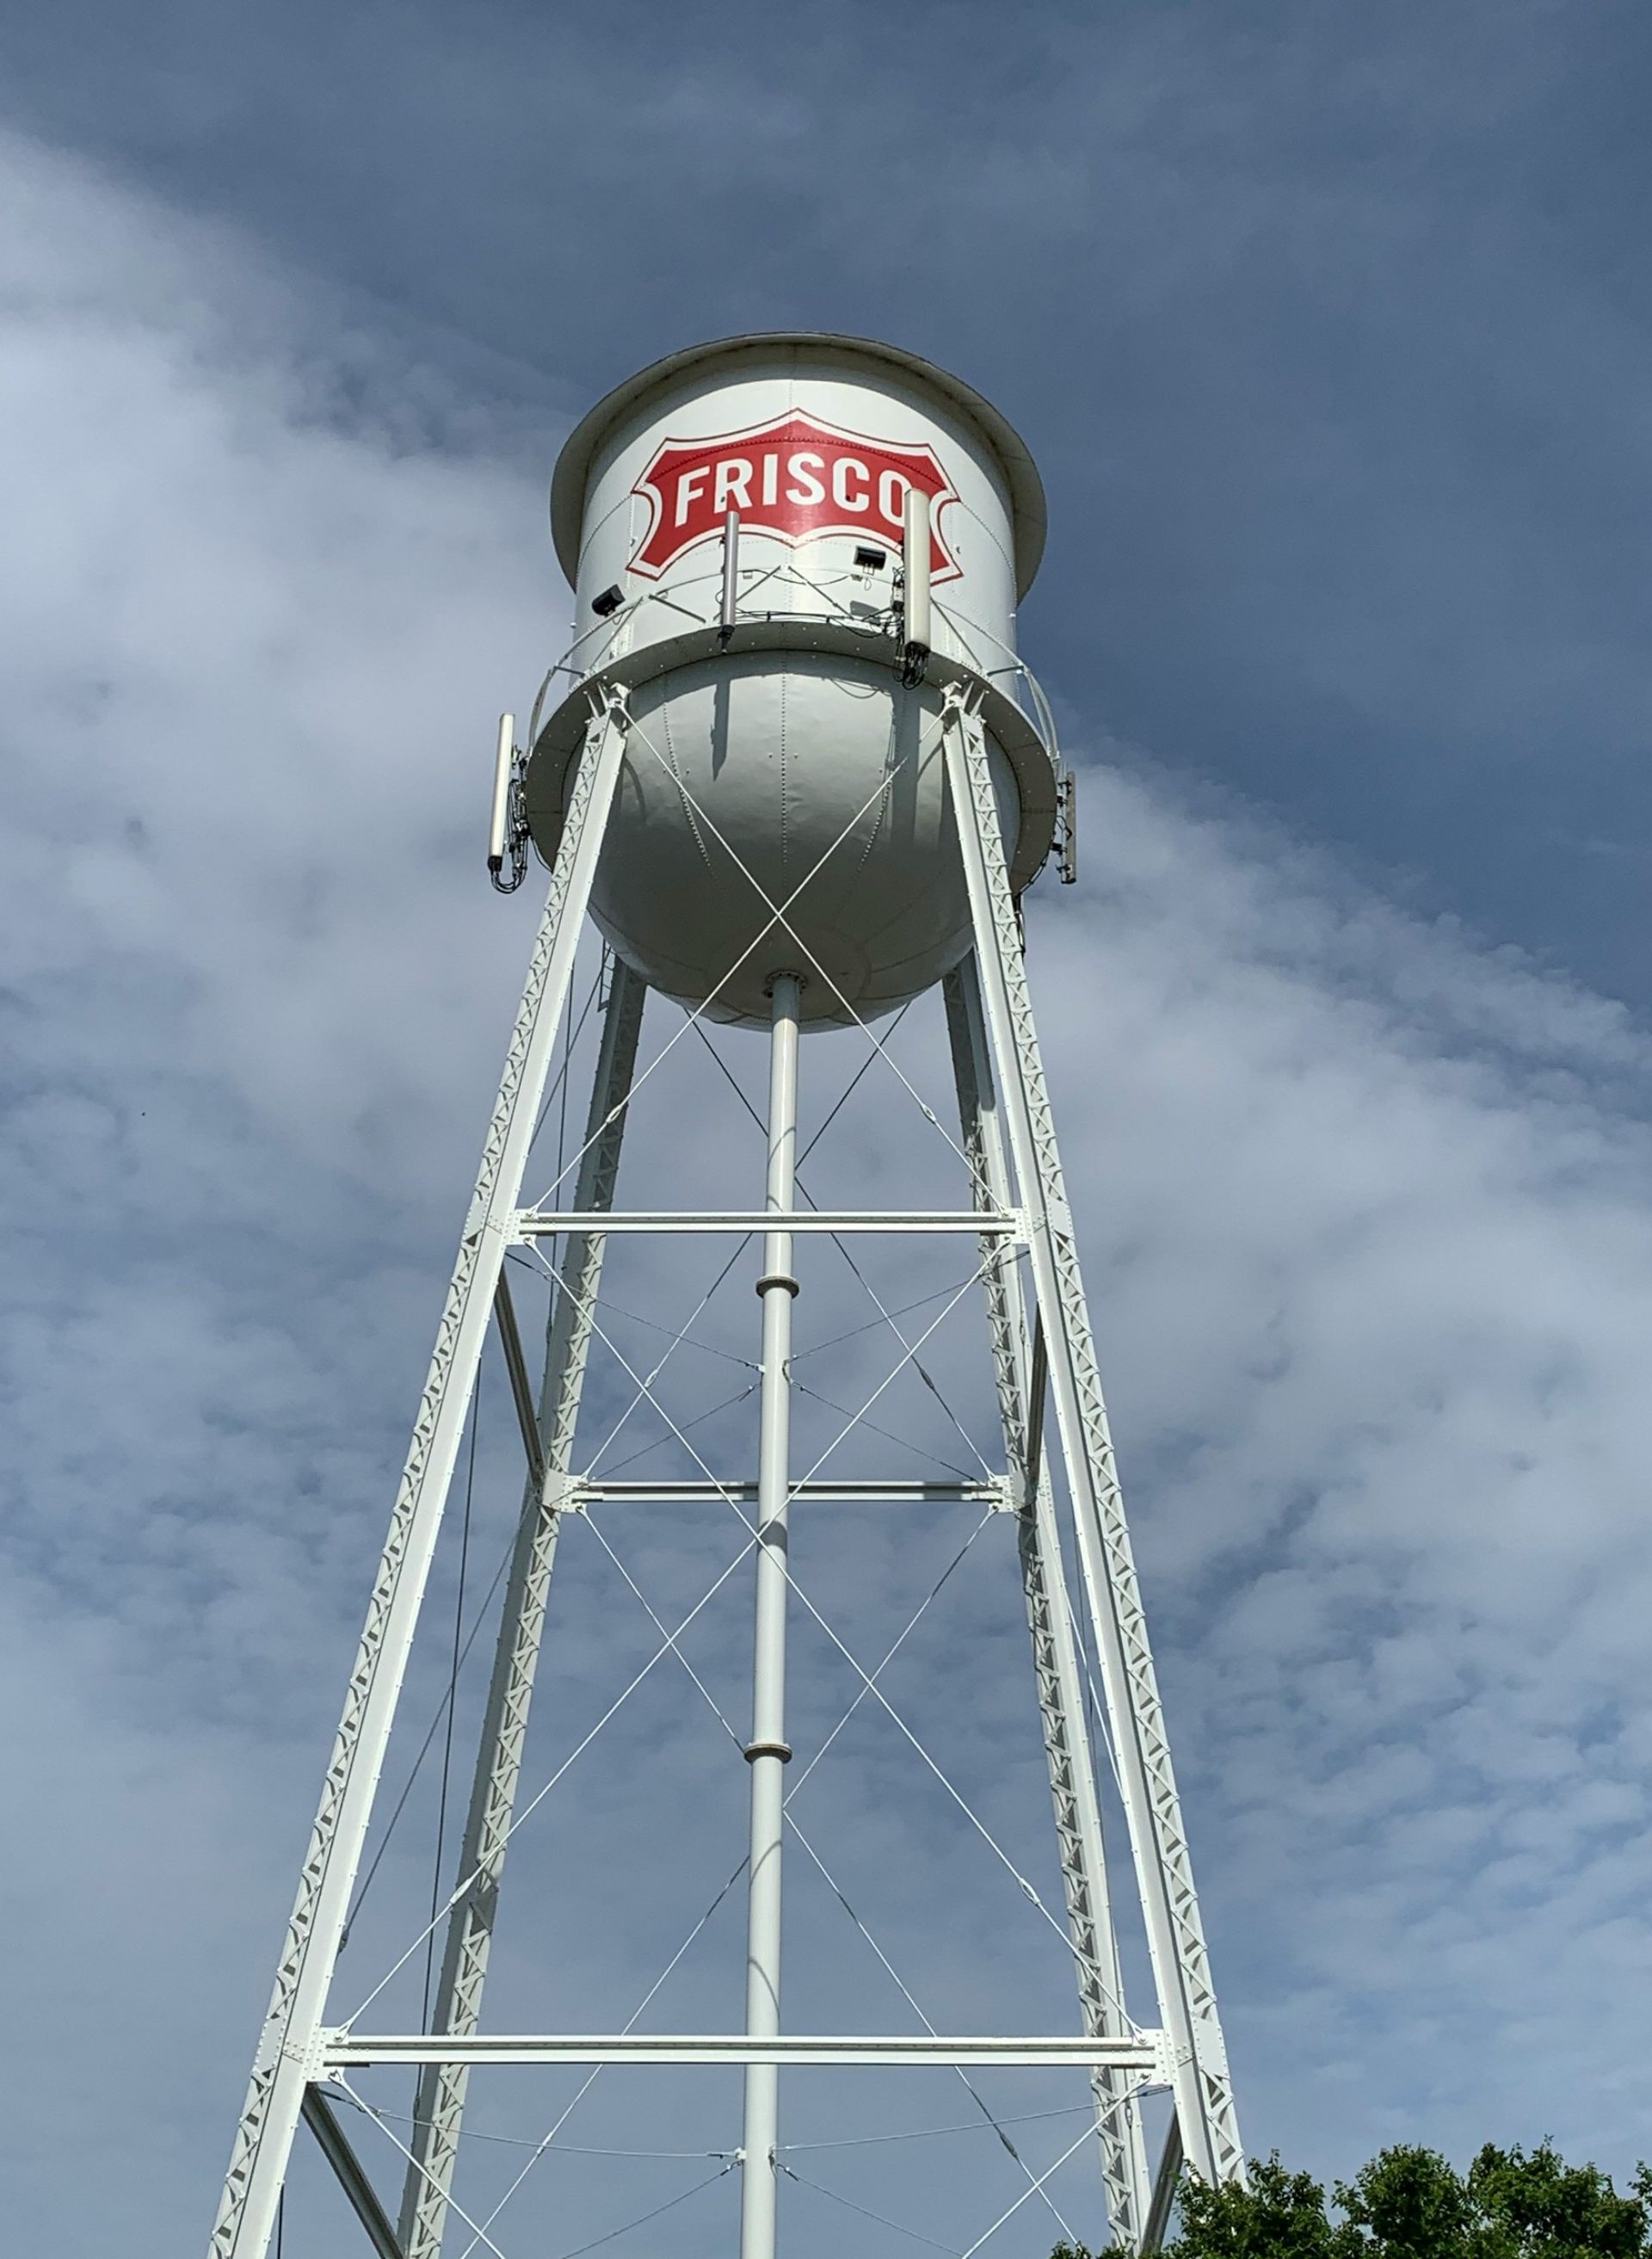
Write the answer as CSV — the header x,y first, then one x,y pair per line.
x,y
558,1776
885,1315
1027,1889
694,1018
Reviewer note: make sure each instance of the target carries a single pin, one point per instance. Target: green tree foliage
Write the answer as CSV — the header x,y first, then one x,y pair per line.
x,y
1414,2203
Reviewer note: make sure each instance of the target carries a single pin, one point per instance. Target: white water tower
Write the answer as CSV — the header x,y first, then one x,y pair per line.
x,y
794,768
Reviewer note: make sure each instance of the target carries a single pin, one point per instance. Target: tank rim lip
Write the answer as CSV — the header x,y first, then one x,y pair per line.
x,y
1028,509
561,731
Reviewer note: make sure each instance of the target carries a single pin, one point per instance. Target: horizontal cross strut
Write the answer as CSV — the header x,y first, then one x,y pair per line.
x,y
993,1491
1140,2051
539,1223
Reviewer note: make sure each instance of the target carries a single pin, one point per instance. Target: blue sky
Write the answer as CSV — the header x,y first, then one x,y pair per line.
x,y
1329,337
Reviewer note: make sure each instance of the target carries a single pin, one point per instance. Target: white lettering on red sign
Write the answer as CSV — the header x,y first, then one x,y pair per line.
x,y
798,479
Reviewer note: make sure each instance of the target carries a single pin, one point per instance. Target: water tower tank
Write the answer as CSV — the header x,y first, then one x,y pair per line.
x,y
732,521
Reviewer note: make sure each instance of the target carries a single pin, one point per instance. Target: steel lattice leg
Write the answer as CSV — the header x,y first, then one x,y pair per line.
x,y
287,2050
1055,1653
1176,1942
438,2109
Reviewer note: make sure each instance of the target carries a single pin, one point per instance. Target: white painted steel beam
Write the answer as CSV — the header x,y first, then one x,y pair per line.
x,y
1144,2053
993,1491
1021,1373
537,1223
336,2146
1167,2180
548,1430
1158,1840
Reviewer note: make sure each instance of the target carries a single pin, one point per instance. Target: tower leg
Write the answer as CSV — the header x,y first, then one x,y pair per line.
x,y
438,2109
284,2060
1055,1653
1176,1942
768,1752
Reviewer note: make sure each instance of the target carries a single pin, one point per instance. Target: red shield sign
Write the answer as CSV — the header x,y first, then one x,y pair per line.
x,y
795,478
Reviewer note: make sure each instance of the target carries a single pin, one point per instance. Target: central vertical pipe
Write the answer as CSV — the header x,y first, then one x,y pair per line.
x,y
768,1752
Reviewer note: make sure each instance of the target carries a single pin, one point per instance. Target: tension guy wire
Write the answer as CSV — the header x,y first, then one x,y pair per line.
x,y
910,1356
1036,2190
934,2133
872,1325
707,1348
876,1299
592,2076
969,1814
979,1825
681,1334
876,2217
905,1991
904,1443
699,1421
562,1073
592,1525
853,1084
778,918
534,1803
923,1371
778,914
477,1622
574,2149
670,2205
911,1626
390,2135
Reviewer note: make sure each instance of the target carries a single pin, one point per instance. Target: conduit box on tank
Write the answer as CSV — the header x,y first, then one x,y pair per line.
x,y
787,550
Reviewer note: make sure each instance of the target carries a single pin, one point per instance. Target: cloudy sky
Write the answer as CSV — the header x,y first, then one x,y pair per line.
x,y
1328,329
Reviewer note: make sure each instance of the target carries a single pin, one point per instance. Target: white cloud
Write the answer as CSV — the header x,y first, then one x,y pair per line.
x,y
1371,1244
1370,1250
